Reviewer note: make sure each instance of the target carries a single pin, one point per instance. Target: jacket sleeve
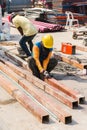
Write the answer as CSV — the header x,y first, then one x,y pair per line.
x,y
46,61
36,57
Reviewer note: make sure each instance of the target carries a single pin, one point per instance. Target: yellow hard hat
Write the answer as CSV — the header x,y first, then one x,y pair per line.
x,y
47,41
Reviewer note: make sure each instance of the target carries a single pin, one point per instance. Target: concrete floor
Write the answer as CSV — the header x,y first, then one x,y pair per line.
x,y
13,116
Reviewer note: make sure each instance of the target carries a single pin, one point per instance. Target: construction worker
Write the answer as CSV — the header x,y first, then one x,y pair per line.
x,y
42,62
28,32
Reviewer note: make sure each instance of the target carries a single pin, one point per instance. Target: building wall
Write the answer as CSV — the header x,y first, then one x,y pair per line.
x,y
63,5
16,5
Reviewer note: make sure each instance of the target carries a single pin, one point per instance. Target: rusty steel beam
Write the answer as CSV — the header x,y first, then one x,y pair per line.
x,y
76,95
64,98
70,61
24,99
11,65
58,94
61,96
9,72
47,101
80,98
8,68
41,96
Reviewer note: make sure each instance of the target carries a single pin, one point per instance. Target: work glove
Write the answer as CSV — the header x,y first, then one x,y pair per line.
x,y
44,75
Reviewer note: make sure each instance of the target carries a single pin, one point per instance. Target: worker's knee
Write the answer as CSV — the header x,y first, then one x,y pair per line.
x,y
31,63
53,61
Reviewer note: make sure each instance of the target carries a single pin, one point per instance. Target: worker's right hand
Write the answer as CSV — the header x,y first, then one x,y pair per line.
x,y
44,75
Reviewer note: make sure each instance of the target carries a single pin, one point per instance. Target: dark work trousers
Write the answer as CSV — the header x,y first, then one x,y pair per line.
x,y
23,43
3,11
32,65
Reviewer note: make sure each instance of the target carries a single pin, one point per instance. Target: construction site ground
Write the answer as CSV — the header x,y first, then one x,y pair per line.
x,y
13,116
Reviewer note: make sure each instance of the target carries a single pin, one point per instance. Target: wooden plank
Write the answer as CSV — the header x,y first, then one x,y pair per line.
x,y
81,48
23,99
16,59
67,100
70,61
7,43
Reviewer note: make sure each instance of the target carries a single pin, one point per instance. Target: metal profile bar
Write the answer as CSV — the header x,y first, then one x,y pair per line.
x,y
41,96
80,98
47,101
8,43
68,91
24,100
19,71
8,71
58,94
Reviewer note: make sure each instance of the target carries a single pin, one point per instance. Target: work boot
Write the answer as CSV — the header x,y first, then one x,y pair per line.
x,y
22,56
20,51
28,59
